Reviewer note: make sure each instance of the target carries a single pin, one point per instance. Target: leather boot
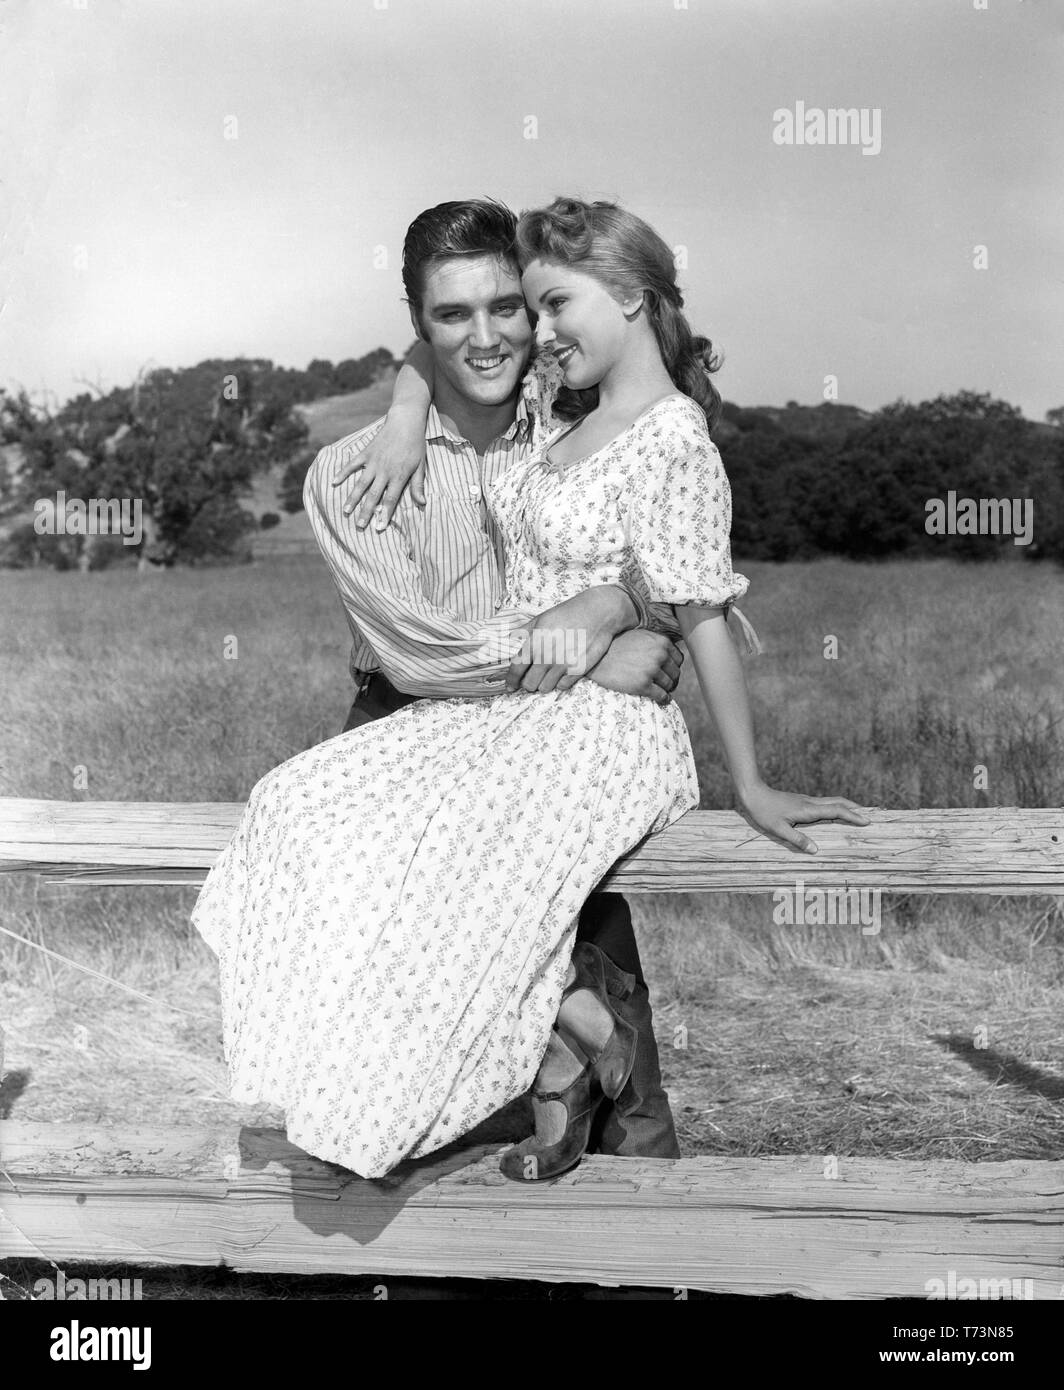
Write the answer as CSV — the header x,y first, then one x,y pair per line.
x,y
649,1131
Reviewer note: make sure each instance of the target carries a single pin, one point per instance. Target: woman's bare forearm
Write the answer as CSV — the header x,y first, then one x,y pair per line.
x,y
412,392
720,675
396,454
777,814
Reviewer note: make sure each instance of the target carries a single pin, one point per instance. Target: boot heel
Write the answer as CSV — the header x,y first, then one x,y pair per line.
x,y
629,1100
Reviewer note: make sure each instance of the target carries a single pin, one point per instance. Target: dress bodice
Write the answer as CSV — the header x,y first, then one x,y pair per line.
x,y
651,509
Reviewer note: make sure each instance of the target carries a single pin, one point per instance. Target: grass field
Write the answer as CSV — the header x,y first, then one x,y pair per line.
x,y
798,1039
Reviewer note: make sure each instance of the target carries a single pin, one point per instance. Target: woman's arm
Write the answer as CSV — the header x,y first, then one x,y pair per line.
x,y
397,453
720,674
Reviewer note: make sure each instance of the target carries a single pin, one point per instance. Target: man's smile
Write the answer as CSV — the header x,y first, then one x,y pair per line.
x,y
486,365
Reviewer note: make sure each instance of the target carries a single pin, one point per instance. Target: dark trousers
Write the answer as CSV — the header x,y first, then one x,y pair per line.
x,y
605,921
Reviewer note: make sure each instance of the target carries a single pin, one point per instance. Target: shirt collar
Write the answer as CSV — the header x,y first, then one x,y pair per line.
x,y
520,430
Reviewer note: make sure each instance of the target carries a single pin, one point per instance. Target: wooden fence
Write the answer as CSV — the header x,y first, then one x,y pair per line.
x,y
247,1198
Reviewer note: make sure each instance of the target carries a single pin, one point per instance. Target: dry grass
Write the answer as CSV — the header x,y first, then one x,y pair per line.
x,y
821,1040
332,417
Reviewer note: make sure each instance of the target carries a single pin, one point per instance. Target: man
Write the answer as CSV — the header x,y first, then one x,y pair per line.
x,y
422,595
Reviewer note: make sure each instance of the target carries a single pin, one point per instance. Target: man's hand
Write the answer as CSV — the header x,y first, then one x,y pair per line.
x,y
394,457
568,640
640,663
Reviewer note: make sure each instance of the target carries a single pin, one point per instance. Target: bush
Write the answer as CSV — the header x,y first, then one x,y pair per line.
x,y
268,520
23,548
218,534
111,552
20,549
290,492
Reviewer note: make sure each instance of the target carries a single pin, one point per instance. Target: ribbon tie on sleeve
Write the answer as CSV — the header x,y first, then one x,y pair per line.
x,y
746,628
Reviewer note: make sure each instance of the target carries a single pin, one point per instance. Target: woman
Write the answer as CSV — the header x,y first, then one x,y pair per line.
x,y
394,916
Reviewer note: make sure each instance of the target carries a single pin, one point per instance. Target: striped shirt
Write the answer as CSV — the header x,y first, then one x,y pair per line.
x,y
422,597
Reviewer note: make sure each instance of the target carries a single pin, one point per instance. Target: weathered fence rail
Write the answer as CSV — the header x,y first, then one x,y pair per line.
x,y
999,850
247,1198
752,1226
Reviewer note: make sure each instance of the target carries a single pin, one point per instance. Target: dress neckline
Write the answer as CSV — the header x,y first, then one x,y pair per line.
x,y
563,467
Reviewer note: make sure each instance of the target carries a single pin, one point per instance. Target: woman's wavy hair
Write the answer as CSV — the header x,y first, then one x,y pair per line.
x,y
626,255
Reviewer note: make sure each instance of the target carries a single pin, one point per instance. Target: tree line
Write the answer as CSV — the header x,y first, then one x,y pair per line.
x,y
806,481
834,480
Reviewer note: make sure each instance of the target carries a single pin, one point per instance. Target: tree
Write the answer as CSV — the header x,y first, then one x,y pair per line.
x,y
184,445
323,374
378,360
768,470
1047,488
290,491
862,491
353,374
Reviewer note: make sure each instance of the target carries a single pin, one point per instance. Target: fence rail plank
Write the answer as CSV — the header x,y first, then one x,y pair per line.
x,y
750,1226
955,850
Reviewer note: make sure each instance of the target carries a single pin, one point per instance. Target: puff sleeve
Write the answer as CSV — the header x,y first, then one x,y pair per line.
x,y
679,513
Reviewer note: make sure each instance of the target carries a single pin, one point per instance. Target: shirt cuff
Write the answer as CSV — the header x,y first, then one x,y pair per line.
x,y
642,608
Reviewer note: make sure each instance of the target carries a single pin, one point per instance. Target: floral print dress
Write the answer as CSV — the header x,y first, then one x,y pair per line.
x,y
395,912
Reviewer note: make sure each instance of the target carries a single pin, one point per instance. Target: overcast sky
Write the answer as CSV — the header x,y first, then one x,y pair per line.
x,y
135,231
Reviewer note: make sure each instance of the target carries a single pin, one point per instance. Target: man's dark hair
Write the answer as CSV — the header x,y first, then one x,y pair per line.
x,y
474,227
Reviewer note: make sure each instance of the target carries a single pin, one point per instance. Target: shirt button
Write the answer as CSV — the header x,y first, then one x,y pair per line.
x,y
474,492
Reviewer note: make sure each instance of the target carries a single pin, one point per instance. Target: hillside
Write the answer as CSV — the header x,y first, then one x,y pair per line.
x,y
328,419
332,417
